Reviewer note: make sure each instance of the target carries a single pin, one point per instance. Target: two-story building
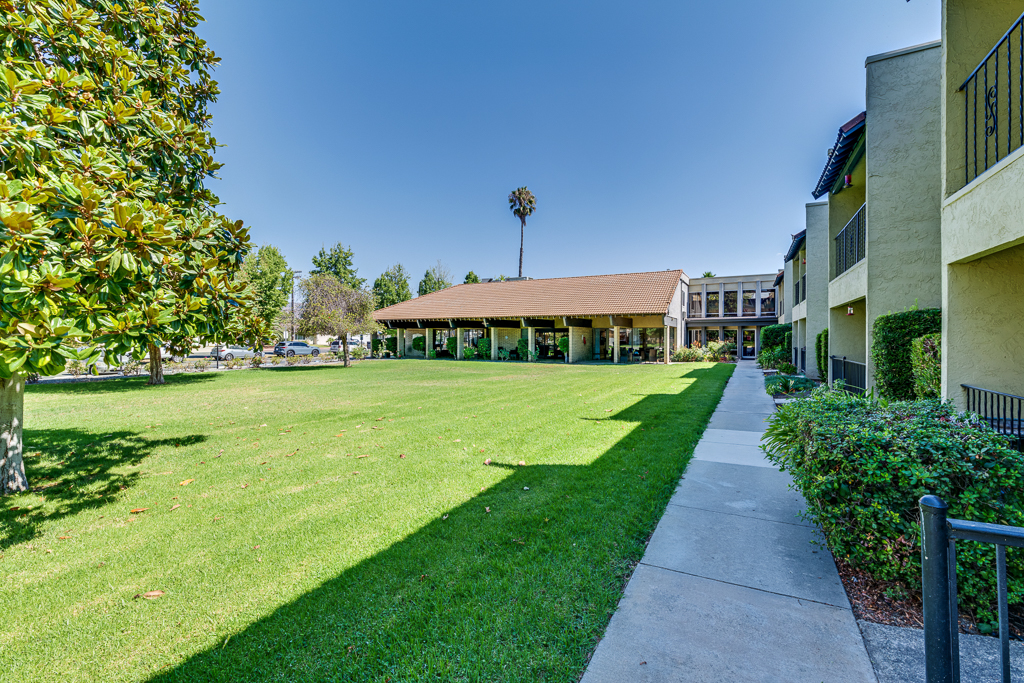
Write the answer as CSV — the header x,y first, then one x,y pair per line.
x,y
806,268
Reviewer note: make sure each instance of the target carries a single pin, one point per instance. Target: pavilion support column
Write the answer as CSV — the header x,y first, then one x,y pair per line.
x,y
572,347
428,343
531,336
615,344
494,343
665,344
460,344
398,343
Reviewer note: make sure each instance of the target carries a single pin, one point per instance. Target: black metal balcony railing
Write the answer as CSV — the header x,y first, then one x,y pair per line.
x,y
1003,412
850,242
803,288
938,587
994,104
853,374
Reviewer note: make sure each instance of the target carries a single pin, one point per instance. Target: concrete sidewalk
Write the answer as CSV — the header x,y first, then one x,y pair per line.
x,y
731,587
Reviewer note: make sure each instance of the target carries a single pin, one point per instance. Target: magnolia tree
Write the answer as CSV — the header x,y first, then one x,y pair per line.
x,y
110,238
331,307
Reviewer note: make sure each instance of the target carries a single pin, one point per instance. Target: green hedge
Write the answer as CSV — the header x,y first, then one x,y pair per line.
x,y
523,347
890,350
821,354
391,344
926,363
419,343
862,465
452,344
774,335
483,348
787,342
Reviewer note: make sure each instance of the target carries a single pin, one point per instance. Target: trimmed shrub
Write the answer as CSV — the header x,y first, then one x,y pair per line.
x,y
483,347
890,350
775,335
419,343
787,342
452,344
376,345
926,363
862,466
771,357
391,344
75,368
821,353
688,355
563,345
357,353
469,353
787,384
787,368
523,347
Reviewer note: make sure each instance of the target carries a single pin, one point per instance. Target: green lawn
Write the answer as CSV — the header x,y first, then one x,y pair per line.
x,y
305,548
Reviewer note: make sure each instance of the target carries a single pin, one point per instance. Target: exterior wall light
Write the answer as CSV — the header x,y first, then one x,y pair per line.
x,y
849,310
848,181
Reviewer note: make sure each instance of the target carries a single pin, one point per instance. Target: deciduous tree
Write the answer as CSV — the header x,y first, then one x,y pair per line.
x,y
270,279
337,262
436,278
329,306
392,287
471,278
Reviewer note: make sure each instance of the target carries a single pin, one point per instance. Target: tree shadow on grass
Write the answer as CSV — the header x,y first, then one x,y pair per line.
x,y
117,384
520,592
74,471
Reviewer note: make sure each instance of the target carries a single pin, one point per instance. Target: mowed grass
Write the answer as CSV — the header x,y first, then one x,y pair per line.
x,y
293,542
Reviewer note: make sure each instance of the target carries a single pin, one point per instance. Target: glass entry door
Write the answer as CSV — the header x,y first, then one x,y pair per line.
x,y
748,342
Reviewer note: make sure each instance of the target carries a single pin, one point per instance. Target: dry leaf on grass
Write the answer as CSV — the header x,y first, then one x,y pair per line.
x,y
245,486
380,419
458,440
63,538
186,482
139,510
148,595
175,507
362,456
401,455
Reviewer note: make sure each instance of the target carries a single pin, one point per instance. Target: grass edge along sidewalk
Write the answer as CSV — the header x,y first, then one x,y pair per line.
x,y
289,557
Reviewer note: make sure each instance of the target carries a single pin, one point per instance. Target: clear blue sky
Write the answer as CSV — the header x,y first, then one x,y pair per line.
x,y
655,134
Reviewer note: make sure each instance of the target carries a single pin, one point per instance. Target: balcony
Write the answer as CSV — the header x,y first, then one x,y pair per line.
x,y
850,246
1003,412
994,104
853,374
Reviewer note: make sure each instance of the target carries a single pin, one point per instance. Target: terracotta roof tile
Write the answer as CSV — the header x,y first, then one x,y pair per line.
x,y
590,295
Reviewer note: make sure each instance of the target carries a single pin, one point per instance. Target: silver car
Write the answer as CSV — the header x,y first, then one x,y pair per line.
x,y
295,348
231,351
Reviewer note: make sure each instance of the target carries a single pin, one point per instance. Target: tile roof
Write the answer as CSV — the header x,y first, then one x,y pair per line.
x,y
849,133
794,246
590,295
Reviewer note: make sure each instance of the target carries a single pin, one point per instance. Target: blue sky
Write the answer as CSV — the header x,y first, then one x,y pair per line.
x,y
655,134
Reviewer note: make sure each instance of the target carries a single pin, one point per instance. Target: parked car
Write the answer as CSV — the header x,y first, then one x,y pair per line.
x,y
295,348
336,346
231,351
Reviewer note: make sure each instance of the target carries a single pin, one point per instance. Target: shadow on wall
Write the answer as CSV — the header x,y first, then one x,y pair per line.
x,y
521,592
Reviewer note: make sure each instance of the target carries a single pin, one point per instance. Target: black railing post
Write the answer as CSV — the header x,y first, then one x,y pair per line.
x,y
938,646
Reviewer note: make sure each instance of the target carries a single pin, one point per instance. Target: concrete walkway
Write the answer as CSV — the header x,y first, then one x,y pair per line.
x,y
731,587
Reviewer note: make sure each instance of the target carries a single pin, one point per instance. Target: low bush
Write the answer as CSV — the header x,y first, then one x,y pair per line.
x,y
523,347
926,364
201,365
375,346
787,384
419,343
391,344
775,335
862,465
291,360
469,353
685,354
890,349
483,348
503,354
563,346
452,344
75,368
360,352
130,367
787,368
771,357
821,354
256,361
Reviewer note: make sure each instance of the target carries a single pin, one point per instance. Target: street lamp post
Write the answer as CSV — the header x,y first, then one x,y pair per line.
x,y
295,276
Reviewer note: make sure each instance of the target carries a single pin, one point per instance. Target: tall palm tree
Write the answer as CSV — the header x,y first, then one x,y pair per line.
x,y
522,203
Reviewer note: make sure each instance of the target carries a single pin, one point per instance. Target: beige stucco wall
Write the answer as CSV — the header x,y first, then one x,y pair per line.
x,y
904,193
983,325
850,286
987,215
842,206
816,318
970,28
847,333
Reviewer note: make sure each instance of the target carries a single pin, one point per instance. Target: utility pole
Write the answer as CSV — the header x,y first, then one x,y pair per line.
x,y
295,276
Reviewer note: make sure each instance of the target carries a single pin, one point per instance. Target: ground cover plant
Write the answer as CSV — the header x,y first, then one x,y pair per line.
x,y
328,523
863,465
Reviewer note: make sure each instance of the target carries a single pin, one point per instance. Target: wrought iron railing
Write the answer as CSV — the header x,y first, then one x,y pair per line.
x,y
853,374
850,242
938,583
994,104
1003,412
803,288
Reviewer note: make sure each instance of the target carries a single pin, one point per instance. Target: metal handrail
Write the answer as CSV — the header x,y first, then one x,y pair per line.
x,y
938,583
854,382
1003,412
992,93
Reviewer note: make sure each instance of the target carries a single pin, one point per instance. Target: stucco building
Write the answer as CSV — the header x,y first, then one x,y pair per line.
x,y
806,269
616,318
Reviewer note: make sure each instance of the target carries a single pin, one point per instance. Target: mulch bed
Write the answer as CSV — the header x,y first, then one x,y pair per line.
x,y
887,602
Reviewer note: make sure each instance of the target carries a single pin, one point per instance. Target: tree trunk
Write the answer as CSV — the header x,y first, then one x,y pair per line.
x,y
522,236
156,365
12,464
346,352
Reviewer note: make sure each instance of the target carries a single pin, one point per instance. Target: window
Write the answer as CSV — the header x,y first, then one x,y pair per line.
x,y
712,336
713,304
471,337
696,311
749,302
767,301
731,303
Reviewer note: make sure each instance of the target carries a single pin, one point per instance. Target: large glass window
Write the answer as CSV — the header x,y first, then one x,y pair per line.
x,y
731,303
767,301
712,336
749,302
471,337
547,344
713,304
695,305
